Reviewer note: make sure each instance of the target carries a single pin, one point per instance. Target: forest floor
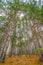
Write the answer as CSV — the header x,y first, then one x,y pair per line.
x,y
22,60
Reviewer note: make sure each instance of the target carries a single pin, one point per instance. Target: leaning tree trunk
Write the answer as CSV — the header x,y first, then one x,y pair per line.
x,y
38,38
5,43
4,48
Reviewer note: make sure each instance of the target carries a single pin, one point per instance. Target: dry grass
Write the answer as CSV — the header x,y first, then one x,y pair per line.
x,y
22,60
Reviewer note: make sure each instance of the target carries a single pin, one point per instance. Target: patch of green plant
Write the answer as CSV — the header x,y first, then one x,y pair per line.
x,y
2,28
38,50
2,18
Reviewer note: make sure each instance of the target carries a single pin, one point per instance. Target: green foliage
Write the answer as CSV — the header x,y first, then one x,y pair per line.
x,y
2,29
41,16
2,18
38,50
1,3
14,6
0,38
33,9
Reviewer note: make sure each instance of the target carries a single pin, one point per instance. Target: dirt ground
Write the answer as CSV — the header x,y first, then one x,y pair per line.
x,y
22,60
